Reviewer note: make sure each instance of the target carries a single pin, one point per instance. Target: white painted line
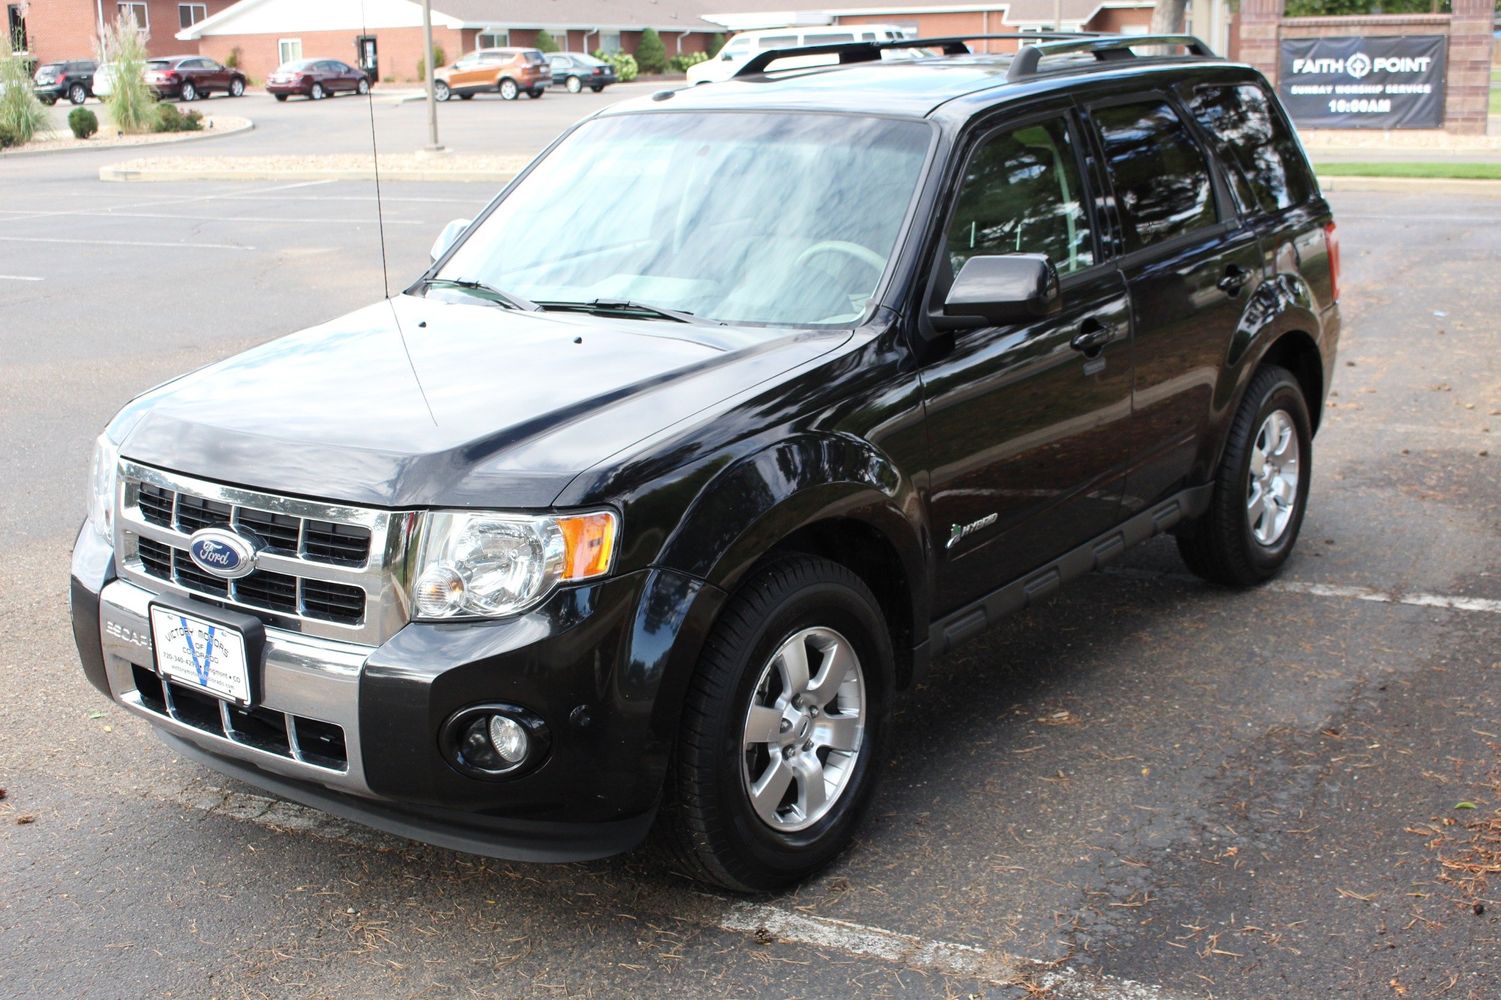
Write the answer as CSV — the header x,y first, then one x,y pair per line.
x,y
18,277
1415,599
123,243
109,214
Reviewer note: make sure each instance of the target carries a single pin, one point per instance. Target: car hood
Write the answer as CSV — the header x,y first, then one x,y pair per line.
x,y
421,402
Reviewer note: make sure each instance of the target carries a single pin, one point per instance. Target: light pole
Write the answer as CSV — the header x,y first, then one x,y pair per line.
x,y
432,102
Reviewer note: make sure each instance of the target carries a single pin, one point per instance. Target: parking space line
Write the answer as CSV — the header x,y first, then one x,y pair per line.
x,y
123,243
110,214
19,277
1416,599
176,199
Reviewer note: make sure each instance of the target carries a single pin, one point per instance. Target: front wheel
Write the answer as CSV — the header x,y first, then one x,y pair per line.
x,y
441,91
508,90
77,93
280,97
237,87
1260,487
783,728
189,92
574,84
362,87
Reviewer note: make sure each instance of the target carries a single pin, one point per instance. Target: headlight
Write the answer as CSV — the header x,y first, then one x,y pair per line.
x,y
490,565
103,473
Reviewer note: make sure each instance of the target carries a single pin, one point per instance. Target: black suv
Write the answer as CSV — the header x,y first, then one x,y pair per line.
x,y
735,410
73,80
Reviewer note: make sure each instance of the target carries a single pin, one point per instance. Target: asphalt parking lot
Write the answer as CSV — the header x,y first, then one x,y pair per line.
x,y
1146,787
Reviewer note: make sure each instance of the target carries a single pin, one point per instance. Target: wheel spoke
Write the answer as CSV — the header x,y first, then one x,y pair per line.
x,y
837,732
1254,500
837,661
762,726
811,793
766,795
794,661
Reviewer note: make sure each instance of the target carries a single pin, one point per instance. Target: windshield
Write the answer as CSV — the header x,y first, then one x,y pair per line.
x,y
758,218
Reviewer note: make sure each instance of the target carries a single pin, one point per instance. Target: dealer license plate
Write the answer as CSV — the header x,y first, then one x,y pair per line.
x,y
200,654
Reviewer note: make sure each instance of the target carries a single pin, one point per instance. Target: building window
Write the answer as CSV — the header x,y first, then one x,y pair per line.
x,y
15,19
289,49
137,12
609,41
493,38
189,14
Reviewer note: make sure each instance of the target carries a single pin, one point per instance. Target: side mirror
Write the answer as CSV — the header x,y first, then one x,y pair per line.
x,y
448,237
1015,288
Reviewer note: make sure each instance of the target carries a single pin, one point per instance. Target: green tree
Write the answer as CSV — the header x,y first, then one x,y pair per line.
x,y
716,42
546,43
651,54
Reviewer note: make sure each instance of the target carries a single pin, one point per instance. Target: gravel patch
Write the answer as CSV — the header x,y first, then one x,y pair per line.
x,y
60,140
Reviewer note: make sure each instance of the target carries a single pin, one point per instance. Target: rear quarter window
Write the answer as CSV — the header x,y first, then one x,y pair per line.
x,y
1160,174
1256,143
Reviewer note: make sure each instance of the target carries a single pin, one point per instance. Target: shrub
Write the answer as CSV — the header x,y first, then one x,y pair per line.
x,y
169,119
21,114
651,54
440,58
680,64
233,59
546,43
716,42
130,104
7,137
624,63
83,122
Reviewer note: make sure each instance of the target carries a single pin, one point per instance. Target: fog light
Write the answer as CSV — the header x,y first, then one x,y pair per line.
x,y
508,738
494,741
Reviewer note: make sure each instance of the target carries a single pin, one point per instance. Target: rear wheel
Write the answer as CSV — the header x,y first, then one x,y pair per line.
x,y
280,97
508,90
78,93
189,91
1260,488
317,92
534,93
783,728
49,101
597,87
574,84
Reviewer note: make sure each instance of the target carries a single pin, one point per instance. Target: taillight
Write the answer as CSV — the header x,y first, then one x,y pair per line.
x,y
1331,244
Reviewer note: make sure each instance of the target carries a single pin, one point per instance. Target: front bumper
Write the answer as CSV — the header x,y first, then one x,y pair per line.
x,y
603,665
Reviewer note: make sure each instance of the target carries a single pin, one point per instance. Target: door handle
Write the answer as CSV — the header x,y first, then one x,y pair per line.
x,y
1234,280
1092,338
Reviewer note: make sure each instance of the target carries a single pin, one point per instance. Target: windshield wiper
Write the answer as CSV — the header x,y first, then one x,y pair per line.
x,y
628,307
484,291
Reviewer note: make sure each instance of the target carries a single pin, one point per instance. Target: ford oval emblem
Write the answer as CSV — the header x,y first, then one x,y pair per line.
x,y
222,552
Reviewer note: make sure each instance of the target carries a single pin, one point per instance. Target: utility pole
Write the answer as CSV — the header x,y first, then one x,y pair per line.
x,y
1057,15
433,145
99,12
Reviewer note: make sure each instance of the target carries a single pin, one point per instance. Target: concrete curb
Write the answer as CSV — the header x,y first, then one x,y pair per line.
x,y
1445,185
167,138
129,174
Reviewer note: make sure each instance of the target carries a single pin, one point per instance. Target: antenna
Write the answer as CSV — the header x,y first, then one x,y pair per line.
x,y
380,214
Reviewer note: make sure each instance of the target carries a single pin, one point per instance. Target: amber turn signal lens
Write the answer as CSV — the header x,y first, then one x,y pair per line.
x,y
588,544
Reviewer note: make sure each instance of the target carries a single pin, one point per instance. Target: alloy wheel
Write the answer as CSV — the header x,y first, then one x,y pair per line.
x,y
1272,492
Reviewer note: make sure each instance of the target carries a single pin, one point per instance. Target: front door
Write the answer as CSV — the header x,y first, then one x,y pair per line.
x,y
1028,433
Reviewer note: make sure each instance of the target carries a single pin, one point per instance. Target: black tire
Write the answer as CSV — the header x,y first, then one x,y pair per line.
x,y
1221,545
236,87
316,92
466,97
709,823
574,84
597,87
49,101
280,97
189,91
535,93
78,93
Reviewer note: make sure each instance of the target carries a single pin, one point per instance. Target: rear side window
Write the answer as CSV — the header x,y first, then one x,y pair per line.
x,y
1257,144
1160,174
1021,194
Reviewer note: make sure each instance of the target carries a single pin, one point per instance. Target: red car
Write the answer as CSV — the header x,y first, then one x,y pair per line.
x,y
316,79
188,78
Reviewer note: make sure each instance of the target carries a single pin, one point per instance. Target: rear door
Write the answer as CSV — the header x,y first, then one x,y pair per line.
x,y
1028,434
1192,267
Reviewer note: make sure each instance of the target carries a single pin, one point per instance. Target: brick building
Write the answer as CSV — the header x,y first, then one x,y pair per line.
x,y
269,32
69,29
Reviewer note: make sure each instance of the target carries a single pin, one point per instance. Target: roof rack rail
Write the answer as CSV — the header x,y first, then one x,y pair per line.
x,y
1106,48
858,52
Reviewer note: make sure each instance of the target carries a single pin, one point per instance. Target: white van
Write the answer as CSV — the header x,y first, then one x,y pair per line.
x,y
740,48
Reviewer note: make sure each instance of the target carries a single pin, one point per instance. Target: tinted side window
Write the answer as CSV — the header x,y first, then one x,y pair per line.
x,y
1021,194
1160,174
1257,143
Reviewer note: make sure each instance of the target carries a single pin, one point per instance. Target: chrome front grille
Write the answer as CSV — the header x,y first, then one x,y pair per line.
x,y
322,569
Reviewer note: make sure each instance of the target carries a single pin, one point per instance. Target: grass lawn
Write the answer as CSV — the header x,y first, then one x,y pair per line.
x,y
1495,101
1462,171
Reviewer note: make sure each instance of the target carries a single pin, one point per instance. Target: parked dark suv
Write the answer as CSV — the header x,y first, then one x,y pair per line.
x,y
73,80
732,413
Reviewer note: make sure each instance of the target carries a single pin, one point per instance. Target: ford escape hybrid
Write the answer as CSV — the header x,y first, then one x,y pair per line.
x,y
795,381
